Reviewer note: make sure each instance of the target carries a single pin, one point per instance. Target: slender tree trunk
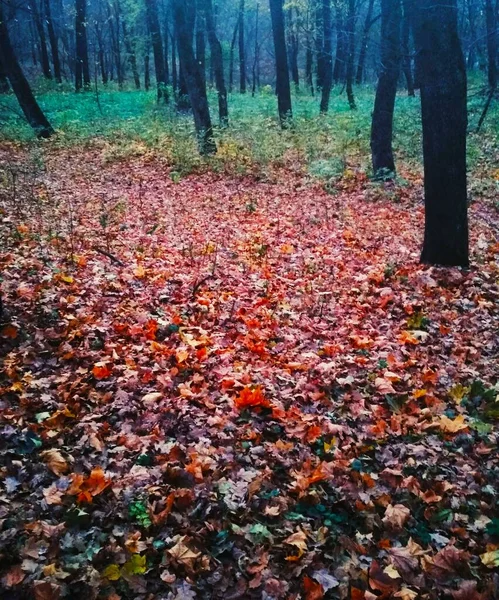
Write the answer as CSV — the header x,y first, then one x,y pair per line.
x,y
281,59
491,23
53,42
242,50
4,82
231,57
132,58
147,71
174,64
217,62
183,97
101,54
363,44
382,122
20,85
166,37
256,58
293,50
196,84
444,112
114,28
341,45
42,39
351,53
157,49
328,56
81,47
200,39
319,44
406,51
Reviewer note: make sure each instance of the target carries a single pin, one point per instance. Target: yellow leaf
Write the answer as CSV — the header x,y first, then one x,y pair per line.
x,y
135,566
392,572
112,572
490,559
181,355
452,426
139,272
67,278
458,392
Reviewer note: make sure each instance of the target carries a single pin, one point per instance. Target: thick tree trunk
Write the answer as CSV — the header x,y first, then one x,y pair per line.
x,y
242,50
183,97
351,53
491,23
361,65
132,57
444,112
157,49
231,57
382,122
82,79
196,85
20,85
217,62
53,42
44,55
4,81
200,39
281,59
328,58
406,51
341,45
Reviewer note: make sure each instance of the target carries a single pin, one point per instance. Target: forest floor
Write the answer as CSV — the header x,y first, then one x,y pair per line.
x,y
231,387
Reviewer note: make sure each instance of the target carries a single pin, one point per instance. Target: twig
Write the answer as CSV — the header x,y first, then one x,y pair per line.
x,y
109,255
485,108
199,283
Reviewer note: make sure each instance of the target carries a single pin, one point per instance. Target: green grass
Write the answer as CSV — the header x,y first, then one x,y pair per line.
x,y
129,123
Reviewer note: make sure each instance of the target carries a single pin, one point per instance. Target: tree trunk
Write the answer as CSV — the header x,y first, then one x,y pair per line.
x,y
242,50
174,64
231,57
256,58
132,58
406,52
217,62
101,54
200,39
382,122
20,85
4,82
281,60
491,22
53,42
341,45
147,71
293,50
115,40
363,45
328,56
82,79
157,49
183,97
351,53
444,113
196,85
42,39
319,45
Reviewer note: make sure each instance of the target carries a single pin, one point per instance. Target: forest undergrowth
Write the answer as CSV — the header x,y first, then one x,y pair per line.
x,y
242,386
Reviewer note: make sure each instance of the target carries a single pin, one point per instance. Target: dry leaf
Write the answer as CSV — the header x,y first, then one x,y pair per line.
x,y
396,515
55,461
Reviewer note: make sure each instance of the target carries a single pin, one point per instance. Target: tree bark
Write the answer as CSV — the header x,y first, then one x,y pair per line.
x,y
200,39
256,58
281,59
328,58
444,114
231,56
242,50
293,50
406,51
132,58
20,85
382,121
196,84
491,23
351,53
4,81
341,45
157,49
44,56
82,73
217,62
53,42
319,45
361,65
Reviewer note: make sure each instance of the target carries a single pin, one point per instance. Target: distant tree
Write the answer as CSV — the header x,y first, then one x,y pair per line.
x,y
132,57
4,82
256,54
443,84
382,121
328,56
200,37
281,62
196,84
217,62
294,47
407,26
319,42
231,56
242,49
54,43
491,28
350,31
42,40
82,69
361,65
20,85
341,43
157,49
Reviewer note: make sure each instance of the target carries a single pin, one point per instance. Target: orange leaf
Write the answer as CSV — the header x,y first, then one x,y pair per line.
x,y
101,370
251,398
9,331
313,590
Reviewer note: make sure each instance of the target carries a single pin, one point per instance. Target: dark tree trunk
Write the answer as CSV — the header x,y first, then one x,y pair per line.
x,y
341,45
174,64
281,61
200,39
382,122
351,53
4,82
166,37
406,51
231,57
309,65
53,42
256,58
132,58
20,85
114,29
444,112
157,49
361,65
491,23
328,56
217,62
242,50
319,45
44,55
293,50
82,71
183,97
101,54
147,72
195,81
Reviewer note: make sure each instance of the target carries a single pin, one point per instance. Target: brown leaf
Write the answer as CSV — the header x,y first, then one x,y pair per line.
x,y
14,576
44,590
396,515
55,461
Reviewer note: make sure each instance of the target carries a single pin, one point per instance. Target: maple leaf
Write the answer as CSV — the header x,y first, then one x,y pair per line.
x,y
490,559
9,331
88,487
136,565
384,386
452,425
396,515
44,590
55,461
313,590
299,541
183,554
112,572
251,398
14,576
102,370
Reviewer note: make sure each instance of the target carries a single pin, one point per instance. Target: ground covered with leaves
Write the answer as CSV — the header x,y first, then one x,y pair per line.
x,y
219,387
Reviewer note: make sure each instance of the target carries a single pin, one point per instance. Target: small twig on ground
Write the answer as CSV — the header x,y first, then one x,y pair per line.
x,y
109,255
199,283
